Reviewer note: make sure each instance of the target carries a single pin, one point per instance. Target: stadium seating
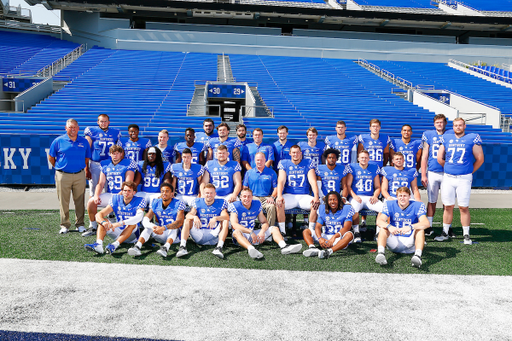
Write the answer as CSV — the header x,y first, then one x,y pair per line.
x,y
495,72
483,5
396,3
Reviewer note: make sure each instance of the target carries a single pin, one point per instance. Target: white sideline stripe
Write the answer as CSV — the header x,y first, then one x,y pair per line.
x,y
188,303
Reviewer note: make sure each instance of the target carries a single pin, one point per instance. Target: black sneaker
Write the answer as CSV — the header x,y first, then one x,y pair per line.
x,y
442,237
218,252
451,234
429,231
90,232
357,237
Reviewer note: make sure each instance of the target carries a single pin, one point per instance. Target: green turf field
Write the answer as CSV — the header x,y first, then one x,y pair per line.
x,y
34,235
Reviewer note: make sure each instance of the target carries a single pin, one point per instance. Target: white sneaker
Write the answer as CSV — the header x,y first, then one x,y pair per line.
x,y
442,237
357,237
255,254
134,251
218,252
467,240
416,261
162,251
63,230
295,248
381,259
182,252
324,254
81,229
94,247
311,252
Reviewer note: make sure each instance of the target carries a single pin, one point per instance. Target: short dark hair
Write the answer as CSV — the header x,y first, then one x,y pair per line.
x,y
166,184
406,125
104,115
208,120
282,127
133,126
332,151
186,151
241,125
190,129
440,117
223,124
130,184
341,122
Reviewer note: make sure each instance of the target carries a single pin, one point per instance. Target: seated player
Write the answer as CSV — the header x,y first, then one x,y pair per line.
x,y
363,182
243,215
233,144
331,176
135,147
186,177
169,214
296,179
312,149
197,148
129,211
152,172
332,229
394,177
224,175
206,223
402,227
113,173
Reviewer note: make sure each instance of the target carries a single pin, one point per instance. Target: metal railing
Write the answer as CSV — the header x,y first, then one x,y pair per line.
x,y
15,102
489,74
30,27
204,108
251,110
403,83
505,123
473,116
59,65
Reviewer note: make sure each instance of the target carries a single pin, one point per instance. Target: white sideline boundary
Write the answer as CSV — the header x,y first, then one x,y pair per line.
x,y
188,303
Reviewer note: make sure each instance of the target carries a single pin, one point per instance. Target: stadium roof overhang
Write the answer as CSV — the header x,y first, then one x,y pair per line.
x,y
269,15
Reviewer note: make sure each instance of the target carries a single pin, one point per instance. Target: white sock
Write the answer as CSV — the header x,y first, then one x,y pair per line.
x,y
282,227
465,230
446,227
183,243
220,244
363,221
99,241
250,248
356,228
139,245
430,220
418,252
330,251
282,244
94,225
167,246
116,244
312,246
381,249
312,226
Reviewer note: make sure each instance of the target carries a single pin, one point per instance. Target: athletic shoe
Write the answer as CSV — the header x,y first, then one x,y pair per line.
x,y
295,248
451,234
362,226
90,232
381,259
63,230
416,261
182,252
467,240
94,247
429,231
134,251
218,252
162,251
324,254
255,254
442,237
285,237
81,229
311,252
357,237
110,249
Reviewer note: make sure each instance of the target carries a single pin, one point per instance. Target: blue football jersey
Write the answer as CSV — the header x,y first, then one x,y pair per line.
x,y
150,182
401,218
246,217
251,149
345,147
230,143
362,182
168,153
281,152
433,140
375,147
168,215
312,153
116,174
410,150
459,153
135,150
296,176
398,178
205,212
222,176
102,141
201,137
331,179
196,149
187,183
125,211
333,222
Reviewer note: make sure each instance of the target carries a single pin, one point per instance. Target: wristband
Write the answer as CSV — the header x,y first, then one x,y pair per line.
x,y
103,222
387,227
344,198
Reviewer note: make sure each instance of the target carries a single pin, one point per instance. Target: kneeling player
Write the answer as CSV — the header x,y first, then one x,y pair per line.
x,y
243,215
402,227
337,218
169,213
129,211
206,223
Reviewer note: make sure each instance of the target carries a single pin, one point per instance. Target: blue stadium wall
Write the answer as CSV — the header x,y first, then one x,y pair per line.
x,y
24,161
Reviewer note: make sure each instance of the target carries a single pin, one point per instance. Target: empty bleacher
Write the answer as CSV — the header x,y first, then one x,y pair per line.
x,y
485,5
397,3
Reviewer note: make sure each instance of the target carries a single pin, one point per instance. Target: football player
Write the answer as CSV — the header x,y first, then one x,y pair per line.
x,y
312,149
168,152
196,148
332,176
342,142
207,133
410,148
233,144
251,149
396,176
186,177
241,133
224,174
135,147
152,172
281,146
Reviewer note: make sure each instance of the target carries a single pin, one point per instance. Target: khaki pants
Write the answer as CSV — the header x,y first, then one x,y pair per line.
x,y
271,210
67,183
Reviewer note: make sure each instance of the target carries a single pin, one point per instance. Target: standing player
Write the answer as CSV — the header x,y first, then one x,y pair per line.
x,y
152,173
312,149
113,174
169,214
224,174
233,145
410,148
196,148
134,146
376,144
208,133
332,229
402,224
281,146
100,139
250,150
207,223
332,176
296,179
168,152
394,177
241,133
242,216
431,171
461,155
341,142
129,211
186,178
363,182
